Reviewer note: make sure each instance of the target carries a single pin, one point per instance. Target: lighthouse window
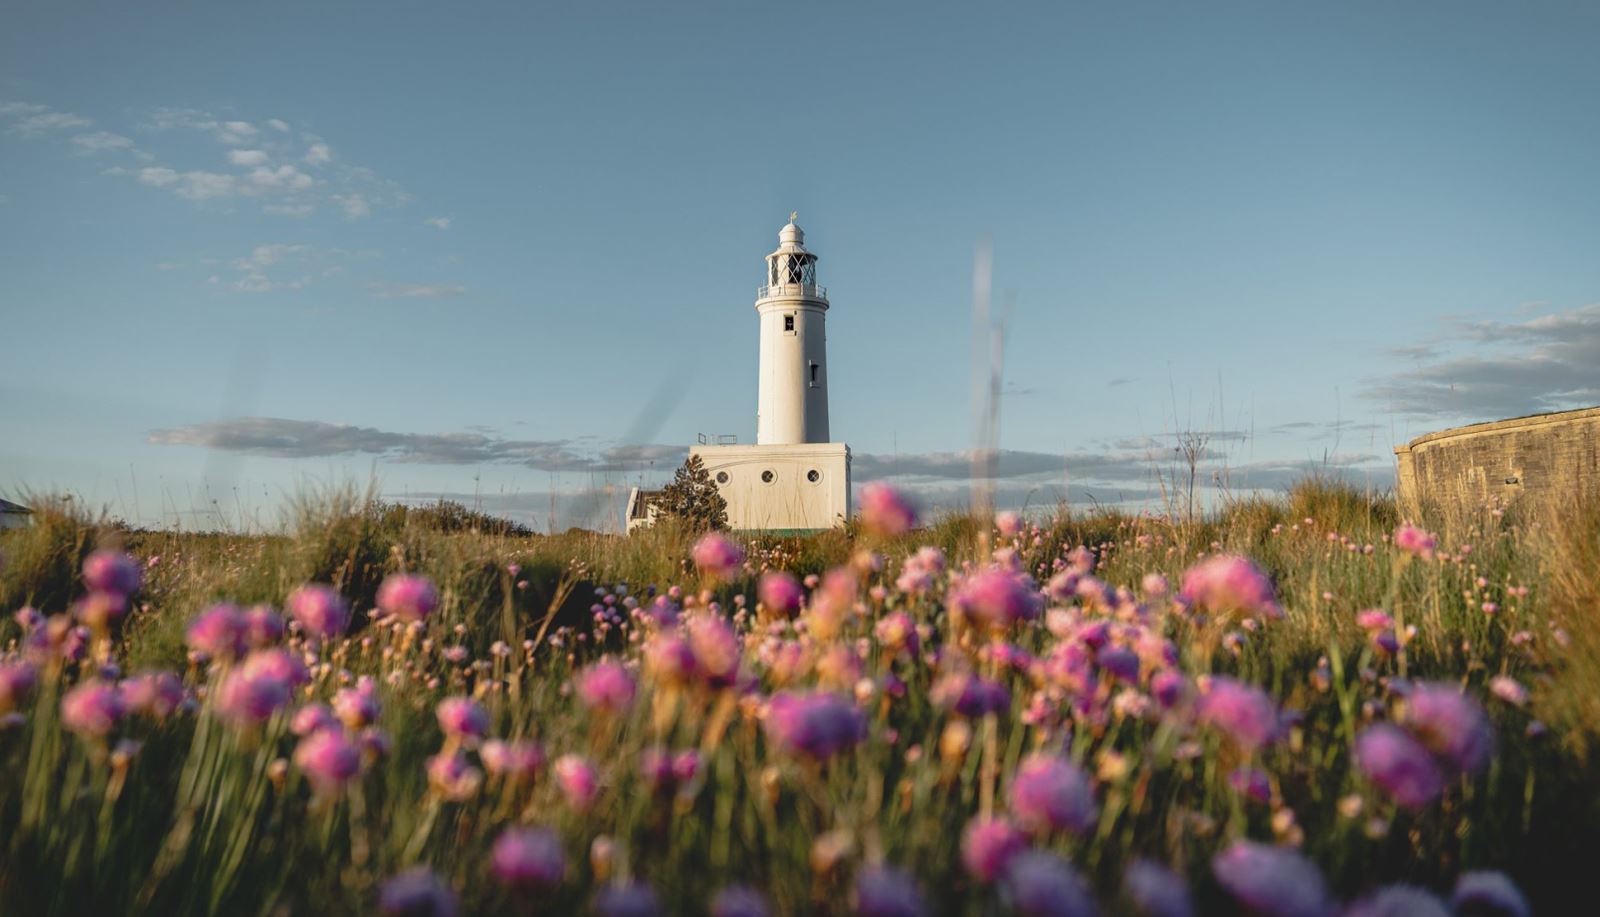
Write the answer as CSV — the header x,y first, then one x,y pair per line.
x,y
722,477
796,270
813,476
814,368
767,477
788,323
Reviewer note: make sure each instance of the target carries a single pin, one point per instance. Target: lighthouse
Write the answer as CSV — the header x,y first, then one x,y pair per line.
x,y
792,381
792,479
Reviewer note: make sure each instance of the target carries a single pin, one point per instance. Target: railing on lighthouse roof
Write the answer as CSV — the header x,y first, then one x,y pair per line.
x,y
811,290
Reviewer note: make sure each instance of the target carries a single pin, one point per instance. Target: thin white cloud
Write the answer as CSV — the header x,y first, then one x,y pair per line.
x,y
278,125
284,177
318,154
45,121
355,205
289,210
416,290
100,141
439,222
248,157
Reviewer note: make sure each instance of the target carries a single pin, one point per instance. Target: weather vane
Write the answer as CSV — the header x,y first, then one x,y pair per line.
x,y
794,215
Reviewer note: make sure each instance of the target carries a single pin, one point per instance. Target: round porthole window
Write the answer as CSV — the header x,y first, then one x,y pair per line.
x,y
813,476
767,477
722,477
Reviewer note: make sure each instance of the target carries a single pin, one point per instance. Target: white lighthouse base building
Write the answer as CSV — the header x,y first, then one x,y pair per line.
x,y
794,488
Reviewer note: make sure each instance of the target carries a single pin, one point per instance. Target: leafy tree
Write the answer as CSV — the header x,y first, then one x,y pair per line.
x,y
693,498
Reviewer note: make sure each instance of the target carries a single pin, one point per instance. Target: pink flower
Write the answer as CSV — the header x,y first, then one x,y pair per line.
x,y
17,680
417,892
1154,585
92,709
669,659
1051,794
357,707
280,664
1008,523
578,779
1271,881
1157,890
320,610
249,696
217,632
408,596
328,758
1399,765
997,598
885,892
1509,690
1039,883
1451,724
100,609
896,632
1415,541
452,777
528,858
516,762
606,687
1241,712
263,626
886,511
112,571
818,725
717,557
155,694
780,592
717,650
988,845
462,718
312,718
1374,620
1228,584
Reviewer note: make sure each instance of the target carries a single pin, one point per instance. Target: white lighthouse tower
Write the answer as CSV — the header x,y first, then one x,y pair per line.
x,y
793,479
792,385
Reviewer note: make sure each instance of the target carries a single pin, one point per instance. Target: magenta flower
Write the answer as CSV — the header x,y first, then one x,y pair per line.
x,y
155,694
1488,893
669,659
1373,620
1120,662
92,709
99,609
1399,901
717,557
897,632
1251,783
320,611
312,718
739,901
1157,891
1169,688
716,650
1050,794
1271,881
408,596
280,664
249,697
17,680
1230,584
997,598
1243,713
452,776
1154,585
263,626
578,779
882,891
606,686
1451,724
781,592
1415,541
1509,690
1399,765
887,511
818,725
328,758
988,846
970,696
517,762
627,899
528,858
218,632
417,892
357,707
462,718
112,571
1042,884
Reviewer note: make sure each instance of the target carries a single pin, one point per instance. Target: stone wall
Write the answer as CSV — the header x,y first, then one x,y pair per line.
x,y
1546,456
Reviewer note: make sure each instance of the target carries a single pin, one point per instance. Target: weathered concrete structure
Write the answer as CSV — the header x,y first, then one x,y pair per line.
x,y
1541,457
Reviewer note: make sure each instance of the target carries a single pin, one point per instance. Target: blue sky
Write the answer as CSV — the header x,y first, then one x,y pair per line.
x,y
511,250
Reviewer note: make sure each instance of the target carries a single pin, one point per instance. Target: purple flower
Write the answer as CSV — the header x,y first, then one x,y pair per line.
x,y
882,891
1399,764
218,632
17,680
997,598
408,596
518,762
1157,891
155,694
1451,724
1488,894
578,779
1229,584
357,707
111,571
970,695
279,664
1413,540
897,631
320,610
739,901
988,845
1120,662
627,899
328,758
1271,881
528,858
780,592
1169,688
92,709
263,626
1242,712
452,776
1051,794
886,511
1251,783
312,718
1399,901
818,725
249,696
462,718
99,609
417,892
606,687
1042,884
717,557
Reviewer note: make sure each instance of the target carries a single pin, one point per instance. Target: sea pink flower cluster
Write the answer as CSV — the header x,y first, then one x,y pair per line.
x,y
886,511
1230,585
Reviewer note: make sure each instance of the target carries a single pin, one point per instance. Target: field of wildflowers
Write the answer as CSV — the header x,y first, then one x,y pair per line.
x,y
1294,707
